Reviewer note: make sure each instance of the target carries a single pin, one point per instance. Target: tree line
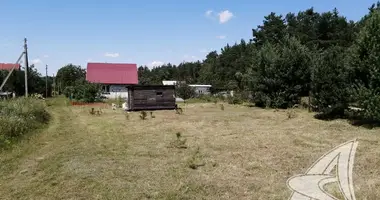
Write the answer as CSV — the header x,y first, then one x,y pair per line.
x,y
333,60
36,82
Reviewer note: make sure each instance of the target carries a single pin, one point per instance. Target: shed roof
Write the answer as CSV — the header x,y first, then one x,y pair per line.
x,y
112,73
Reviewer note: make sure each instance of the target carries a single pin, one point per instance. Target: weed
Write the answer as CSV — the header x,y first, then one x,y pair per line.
x,y
151,115
291,113
221,107
178,110
127,115
143,115
92,111
119,101
179,142
95,112
196,160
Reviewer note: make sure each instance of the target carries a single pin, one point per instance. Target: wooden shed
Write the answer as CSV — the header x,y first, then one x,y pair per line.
x,y
151,97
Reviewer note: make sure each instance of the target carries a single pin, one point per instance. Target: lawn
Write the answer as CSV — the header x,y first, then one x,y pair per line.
x,y
235,153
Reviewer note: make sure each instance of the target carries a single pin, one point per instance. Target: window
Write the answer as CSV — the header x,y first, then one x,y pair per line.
x,y
106,89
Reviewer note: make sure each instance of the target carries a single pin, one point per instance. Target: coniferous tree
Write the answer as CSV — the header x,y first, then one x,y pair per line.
x,y
365,63
330,84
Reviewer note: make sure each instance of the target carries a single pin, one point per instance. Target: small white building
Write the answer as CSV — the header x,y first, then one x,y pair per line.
x,y
202,89
199,89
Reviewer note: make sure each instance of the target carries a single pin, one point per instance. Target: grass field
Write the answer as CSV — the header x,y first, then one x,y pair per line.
x,y
235,153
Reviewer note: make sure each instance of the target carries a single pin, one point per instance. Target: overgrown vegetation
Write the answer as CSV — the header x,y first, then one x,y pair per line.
x,y
83,91
20,116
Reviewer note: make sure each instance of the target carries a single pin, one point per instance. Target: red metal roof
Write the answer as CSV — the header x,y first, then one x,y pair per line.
x,y
112,73
9,66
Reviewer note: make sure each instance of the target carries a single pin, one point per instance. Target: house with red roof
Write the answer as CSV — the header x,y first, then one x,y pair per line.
x,y
114,77
9,66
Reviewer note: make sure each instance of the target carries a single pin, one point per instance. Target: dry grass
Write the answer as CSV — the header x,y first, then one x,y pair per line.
x,y
238,153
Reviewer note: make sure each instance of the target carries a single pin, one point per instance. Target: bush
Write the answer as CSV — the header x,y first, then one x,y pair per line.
x,y
19,116
185,92
83,92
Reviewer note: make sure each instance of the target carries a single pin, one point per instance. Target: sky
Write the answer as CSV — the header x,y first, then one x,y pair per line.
x,y
144,32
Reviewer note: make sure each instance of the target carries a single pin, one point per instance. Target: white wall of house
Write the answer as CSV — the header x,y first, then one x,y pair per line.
x,y
115,91
201,89
172,82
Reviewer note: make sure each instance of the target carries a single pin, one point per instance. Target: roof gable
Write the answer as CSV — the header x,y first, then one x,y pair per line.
x,y
112,73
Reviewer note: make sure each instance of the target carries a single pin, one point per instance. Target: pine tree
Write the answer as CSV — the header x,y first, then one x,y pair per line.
x,y
330,85
365,63
283,74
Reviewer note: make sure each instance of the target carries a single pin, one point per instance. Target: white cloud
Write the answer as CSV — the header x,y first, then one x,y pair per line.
x,y
36,61
209,13
221,37
89,60
112,55
225,16
156,63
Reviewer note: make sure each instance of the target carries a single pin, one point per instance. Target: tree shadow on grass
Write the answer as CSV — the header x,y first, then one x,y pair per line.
x,y
353,117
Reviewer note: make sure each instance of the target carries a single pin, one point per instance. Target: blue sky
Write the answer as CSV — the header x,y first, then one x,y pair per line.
x,y
142,32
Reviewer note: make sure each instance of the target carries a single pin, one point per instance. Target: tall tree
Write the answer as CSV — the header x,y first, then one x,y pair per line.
x,y
283,74
330,83
365,63
69,75
272,30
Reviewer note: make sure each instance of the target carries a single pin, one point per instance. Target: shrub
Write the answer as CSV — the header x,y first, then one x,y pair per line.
x,y
185,92
19,116
83,92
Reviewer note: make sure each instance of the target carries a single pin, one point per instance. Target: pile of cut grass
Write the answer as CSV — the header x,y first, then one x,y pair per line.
x,y
20,116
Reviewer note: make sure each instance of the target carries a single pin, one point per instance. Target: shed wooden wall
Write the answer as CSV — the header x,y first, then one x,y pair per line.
x,y
151,98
